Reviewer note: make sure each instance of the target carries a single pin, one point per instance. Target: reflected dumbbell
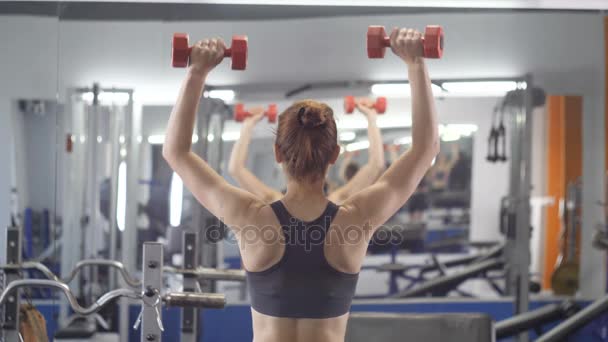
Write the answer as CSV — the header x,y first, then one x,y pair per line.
x,y
181,51
378,41
240,113
379,105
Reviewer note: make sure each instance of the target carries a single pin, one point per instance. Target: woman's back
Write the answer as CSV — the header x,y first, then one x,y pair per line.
x,y
306,294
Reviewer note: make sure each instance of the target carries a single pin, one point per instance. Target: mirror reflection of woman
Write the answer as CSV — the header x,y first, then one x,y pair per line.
x,y
303,253
359,177
439,175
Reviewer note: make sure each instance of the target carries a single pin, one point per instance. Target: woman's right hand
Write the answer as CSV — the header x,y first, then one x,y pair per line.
x,y
206,54
366,106
407,44
257,113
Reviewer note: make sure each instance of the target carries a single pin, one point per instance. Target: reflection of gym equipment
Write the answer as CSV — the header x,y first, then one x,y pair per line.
x,y
497,138
470,266
583,317
535,319
378,41
102,150
566,328
445,284
564,280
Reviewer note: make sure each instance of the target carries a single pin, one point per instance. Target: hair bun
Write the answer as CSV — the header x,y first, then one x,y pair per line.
x,y
311,117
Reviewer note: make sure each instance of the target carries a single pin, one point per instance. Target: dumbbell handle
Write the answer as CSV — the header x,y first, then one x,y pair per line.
x,y
386,41
248,113
227,51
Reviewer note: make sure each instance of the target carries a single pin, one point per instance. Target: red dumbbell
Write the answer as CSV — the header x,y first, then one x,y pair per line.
x,y
379,105
240,113
181,51
378,41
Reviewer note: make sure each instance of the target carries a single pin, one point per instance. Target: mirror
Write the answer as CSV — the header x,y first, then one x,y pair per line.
x,y
89,87
29,115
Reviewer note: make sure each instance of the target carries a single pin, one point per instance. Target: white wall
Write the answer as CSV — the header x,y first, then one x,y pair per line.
x,y
562,51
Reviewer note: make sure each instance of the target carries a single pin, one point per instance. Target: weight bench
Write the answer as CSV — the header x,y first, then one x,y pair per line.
x,y
406,327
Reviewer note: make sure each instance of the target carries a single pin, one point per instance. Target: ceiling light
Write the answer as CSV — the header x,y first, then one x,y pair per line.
x,y
225,95
398,89
231,136
359,145
482,88
347,136
156,139
403,141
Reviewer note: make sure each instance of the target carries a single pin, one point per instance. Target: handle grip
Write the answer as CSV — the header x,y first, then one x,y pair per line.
x,y
197,300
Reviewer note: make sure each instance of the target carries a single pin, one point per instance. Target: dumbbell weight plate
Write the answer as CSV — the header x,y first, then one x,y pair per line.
x,y
433,41
380,105
272,113
180,51
239,112
349,104
376,46
238,52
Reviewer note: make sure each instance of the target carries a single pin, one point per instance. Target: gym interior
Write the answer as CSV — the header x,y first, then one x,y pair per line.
x,y
504,239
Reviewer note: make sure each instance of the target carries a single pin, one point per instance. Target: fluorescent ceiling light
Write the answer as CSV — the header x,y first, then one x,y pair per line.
x,y
225,95
463,129
108,97
156,139
121,202
347,136
403,141
356,146
231,136
482,88
210,137
176,200
159,139
450,136
398,89
453,132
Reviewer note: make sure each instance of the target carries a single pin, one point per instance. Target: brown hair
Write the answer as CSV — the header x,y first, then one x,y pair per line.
x,y
306,139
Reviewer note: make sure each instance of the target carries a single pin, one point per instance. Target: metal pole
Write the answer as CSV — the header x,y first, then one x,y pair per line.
x,y
10,321
116,123
522,202
132,124
151,305
190,315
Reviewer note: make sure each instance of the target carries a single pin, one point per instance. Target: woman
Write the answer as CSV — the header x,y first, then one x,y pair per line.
x,y
439,175
418,202
302,274
359,179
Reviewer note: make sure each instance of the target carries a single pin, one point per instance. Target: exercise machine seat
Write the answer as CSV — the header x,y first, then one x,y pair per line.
x,y
406,327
